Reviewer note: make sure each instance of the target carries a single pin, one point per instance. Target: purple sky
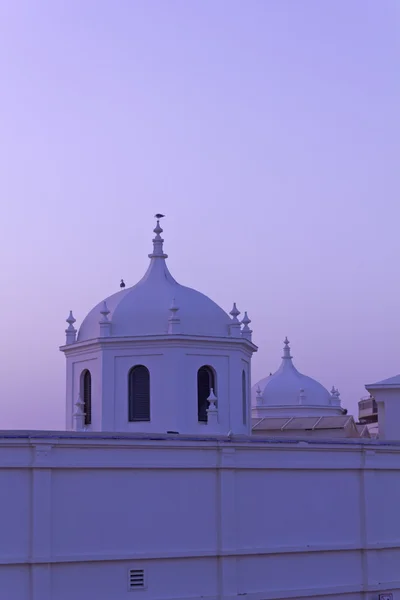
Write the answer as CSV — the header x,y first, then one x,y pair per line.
x,y
268,132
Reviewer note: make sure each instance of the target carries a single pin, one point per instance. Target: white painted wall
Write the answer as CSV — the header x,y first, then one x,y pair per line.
x,y
388,401
173,363
214,519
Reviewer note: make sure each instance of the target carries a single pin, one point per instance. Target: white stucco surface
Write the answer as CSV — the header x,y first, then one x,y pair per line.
x,y
216,519
143,309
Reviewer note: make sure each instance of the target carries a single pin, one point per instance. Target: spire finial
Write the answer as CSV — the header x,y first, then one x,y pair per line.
x,y
335,396
105,323
234,325
71,320
105,312
286,349
235,313
174,307
79,414
70,331
212,410
245,322
158,250
246,331
174,322
259,397
302,396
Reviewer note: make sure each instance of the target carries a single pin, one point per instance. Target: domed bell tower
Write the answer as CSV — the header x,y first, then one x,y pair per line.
x,y
159,357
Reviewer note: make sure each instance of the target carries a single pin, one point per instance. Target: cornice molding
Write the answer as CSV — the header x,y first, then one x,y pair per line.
x,y
167,341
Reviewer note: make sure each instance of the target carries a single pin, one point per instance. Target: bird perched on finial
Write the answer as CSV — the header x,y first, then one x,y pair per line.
x,y
122,284
159,216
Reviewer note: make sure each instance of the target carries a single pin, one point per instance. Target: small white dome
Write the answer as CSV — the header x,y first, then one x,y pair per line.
x,y
290,390
144,309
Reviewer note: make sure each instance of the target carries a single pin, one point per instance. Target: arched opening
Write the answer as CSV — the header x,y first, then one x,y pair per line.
x,y
205,383
139,394
86,395
244,397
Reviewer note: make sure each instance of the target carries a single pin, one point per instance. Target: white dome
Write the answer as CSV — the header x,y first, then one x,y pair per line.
x,y
290,389
144,309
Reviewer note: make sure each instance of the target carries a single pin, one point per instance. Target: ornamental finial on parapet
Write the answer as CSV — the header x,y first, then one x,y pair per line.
x,y
259,396
79,415
70,331
246,331
234,325
174,322
105,323
335,396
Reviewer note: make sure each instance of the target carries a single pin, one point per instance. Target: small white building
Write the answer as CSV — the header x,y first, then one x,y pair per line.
x,y
159,490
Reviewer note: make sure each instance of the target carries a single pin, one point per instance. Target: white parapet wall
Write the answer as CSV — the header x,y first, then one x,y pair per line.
x,y
86,516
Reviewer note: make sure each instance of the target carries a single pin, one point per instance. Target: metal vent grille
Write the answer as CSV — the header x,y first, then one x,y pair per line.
x,y
136,579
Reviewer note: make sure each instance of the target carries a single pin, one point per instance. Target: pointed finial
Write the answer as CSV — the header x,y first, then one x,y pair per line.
x,y
173,308
105,312
71,320
286,349
246,320
212,410
80,405
335,396
70,331
174,322
158,230
259,398
235,313
246,331
234,325
79,414
212,398
158,251
122,284
105,323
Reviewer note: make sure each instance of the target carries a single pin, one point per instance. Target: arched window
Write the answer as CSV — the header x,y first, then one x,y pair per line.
x,y
86,394
244,397
205,382
139,394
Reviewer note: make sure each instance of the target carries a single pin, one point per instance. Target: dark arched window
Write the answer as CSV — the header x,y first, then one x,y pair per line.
x,y
244,397
86,384
205,383
139,394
